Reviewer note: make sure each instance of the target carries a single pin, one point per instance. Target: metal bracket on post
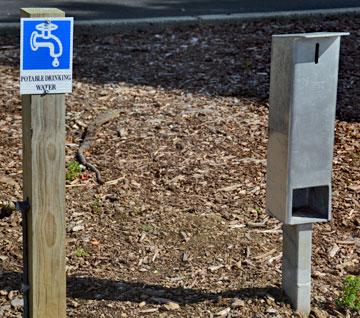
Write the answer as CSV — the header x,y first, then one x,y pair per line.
x,y
24,207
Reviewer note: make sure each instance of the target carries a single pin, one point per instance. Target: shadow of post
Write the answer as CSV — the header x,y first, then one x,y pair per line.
x,y
104,289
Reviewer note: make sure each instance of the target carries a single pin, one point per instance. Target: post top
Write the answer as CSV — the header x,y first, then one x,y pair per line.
x,y
312,35
41,12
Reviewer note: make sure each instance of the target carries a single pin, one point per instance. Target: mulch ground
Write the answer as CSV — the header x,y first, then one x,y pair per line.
x,y
179,227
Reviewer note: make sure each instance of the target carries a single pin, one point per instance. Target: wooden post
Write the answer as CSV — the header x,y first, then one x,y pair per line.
x,y
43,122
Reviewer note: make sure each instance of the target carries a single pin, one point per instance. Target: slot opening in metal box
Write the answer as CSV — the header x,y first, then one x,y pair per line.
x,y
312,202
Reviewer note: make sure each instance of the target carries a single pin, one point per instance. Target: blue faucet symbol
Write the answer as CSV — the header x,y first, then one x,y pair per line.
x,y
43,38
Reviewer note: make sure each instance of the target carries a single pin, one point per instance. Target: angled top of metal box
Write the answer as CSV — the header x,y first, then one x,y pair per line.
x,y
311,35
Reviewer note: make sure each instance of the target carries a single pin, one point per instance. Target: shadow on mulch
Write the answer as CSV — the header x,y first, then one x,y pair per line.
x,y
95,288
216,60
105,289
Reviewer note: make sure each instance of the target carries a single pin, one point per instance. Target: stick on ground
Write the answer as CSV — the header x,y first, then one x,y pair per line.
x,y
90,135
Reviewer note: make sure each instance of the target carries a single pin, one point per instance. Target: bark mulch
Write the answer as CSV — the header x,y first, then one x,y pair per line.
x,y
179,228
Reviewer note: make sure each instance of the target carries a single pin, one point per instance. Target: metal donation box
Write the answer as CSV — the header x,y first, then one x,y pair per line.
x,y
303,88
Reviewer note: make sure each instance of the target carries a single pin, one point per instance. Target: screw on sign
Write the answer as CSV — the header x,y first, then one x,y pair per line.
x,y
45,75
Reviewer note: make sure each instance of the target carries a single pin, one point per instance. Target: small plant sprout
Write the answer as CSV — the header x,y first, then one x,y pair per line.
x,y
80,252
247,64
73,170
96,206
350,297
147,228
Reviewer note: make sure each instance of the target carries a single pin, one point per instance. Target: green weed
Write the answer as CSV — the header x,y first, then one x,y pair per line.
x,y
96,206
247,64
73,170
147,228
350,297
80,252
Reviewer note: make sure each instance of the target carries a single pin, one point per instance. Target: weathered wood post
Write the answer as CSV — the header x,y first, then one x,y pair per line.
x,y
303,89
43,122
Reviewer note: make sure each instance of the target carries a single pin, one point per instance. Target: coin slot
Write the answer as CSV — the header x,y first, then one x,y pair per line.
x,y
317,51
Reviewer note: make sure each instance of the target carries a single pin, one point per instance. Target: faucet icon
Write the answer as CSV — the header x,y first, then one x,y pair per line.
x,y
44,38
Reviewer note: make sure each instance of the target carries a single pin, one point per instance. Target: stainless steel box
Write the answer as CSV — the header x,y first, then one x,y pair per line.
x,y
303,89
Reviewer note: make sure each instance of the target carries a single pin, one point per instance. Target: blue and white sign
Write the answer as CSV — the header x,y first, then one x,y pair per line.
x,y
46,46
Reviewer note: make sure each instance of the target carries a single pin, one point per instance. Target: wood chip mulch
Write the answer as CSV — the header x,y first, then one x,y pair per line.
x,y
179,228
